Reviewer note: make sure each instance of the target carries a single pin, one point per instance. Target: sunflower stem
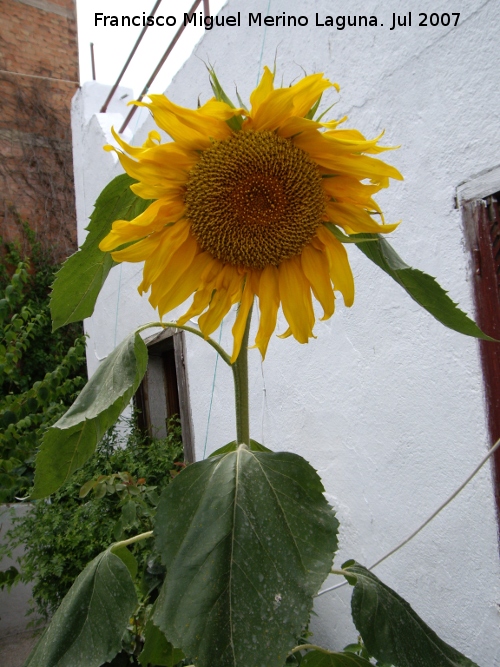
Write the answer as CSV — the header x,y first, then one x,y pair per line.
x,y
240,374
132,540
173,325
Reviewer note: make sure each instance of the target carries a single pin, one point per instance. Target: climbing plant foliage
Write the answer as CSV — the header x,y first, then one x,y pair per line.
x,y
40,372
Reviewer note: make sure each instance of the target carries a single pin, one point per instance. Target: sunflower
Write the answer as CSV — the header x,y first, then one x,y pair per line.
x,y
244,201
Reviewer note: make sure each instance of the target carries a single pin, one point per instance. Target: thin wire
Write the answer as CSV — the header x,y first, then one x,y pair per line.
x,y
427,521
129,60
212,394
263,42
36,76
118,301
264,402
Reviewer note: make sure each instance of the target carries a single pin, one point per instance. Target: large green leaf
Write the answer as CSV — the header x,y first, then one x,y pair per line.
x,y
72,440
391,631
320,659
80,279
422,288
158,651
247,538
87,629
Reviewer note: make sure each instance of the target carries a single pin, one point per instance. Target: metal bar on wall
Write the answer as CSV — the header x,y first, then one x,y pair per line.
x,y
158,67
132,53
92,60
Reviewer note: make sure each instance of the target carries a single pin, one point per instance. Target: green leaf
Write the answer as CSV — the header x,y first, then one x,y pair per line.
x,y
129,514
87,629
312,111
236,122
391,631
80,279
157,649
87,488
247,538
422,288
232,447
320,659
128,559
345,238
72,440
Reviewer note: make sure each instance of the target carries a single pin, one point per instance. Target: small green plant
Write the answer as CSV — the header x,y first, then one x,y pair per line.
x,y
114,493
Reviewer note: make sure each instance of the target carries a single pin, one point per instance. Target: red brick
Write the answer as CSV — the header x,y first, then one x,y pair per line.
x,y
35,151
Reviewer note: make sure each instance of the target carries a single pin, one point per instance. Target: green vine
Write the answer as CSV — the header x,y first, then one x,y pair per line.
x,y
40,372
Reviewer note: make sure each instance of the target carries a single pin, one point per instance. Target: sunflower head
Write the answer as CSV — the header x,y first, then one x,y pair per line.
x,y
242,199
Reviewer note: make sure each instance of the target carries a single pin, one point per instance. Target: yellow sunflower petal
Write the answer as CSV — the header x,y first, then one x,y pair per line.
x,y
153,219
287,334
136,151
144,220
354,141
173,269
282,103
269,301
316,269
295,294
146,191
356,220
349,190
307,91
340,269
153,173
205,291
294,125
186,284
263,90
200,302
241,318
228,286
190,128
323,152
172,238
138,252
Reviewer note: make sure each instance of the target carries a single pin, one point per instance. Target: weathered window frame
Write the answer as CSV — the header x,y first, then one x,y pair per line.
x,y
166,368
479,200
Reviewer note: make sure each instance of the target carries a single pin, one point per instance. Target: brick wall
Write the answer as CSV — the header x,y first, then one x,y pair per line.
x,y
39,38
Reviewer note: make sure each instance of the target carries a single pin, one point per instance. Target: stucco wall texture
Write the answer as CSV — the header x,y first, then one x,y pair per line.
x,y
386,403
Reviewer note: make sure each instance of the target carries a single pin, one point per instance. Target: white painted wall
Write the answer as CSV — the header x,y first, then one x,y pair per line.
x,y
386,403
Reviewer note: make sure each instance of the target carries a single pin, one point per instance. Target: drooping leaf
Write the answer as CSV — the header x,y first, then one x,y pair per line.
x,y
422,288
87,629
392,632
247,538
80,279
320,659
157,649
72,440
233,446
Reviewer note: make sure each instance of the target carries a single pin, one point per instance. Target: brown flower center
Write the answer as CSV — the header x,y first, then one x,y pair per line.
x,y
254,199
